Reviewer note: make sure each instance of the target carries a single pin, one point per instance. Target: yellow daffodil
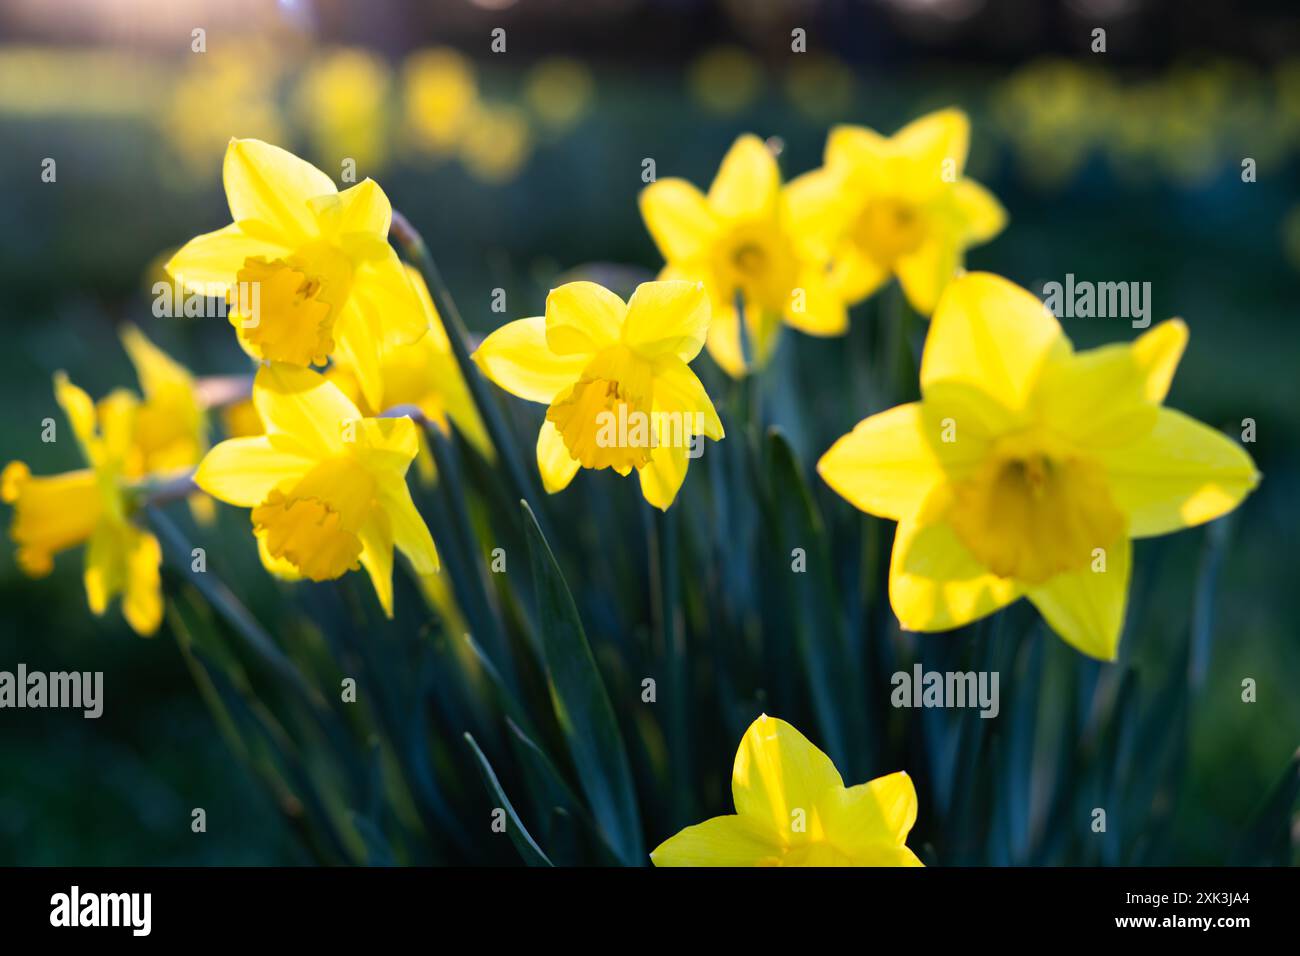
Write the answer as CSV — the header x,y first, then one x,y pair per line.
x,y
895,206
92,507
737,240
615,377
440,97
1027,467
423,375
307,269
792,809
327,487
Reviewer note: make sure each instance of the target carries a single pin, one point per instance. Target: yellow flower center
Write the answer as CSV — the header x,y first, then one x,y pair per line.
x,y
285,310
888,229
605,418
1031,513
756,259
315,524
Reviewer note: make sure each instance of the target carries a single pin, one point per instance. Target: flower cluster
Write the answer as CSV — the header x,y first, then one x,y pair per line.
x,y
1025,469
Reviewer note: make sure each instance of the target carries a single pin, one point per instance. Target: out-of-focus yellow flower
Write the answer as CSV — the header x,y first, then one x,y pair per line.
x,y
1026,468
895,206
239,419
343,99
171,426
496,142
440,95
792,809
820,86
424,375
327,487
725,79
307,269
90,507
221,93
560,91
615,377
1054,112
737,240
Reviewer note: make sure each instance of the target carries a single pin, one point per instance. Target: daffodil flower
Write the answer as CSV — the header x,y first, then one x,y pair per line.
x,y
738,241
899,205
307,270
1027,467
327,487
93,507
423,375
615,378
792,809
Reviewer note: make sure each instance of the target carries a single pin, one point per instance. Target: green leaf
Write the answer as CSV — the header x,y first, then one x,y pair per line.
x,y
582,706
515,829
1267,842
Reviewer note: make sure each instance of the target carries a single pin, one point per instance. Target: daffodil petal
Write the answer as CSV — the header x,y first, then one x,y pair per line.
x,y
1086,607
679,390
156,370
667,319
720,841
582,318
142,603
816,307
384,292
356,349
242,471
778,771
935,139
679,219
748,184
270,185
556,465
982,216
875,815
990,335
927,271
305,405
855,276
1183,473
816,211
1157,352
79,409
854,147
209,264
891,462
410,533
935,584
663,476
517,357
364,208
377,557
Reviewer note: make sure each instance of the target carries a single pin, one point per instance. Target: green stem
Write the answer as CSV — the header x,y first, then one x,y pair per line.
x,y
666,602
417,252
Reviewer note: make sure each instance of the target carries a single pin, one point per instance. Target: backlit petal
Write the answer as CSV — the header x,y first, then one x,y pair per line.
x,y
267,184
304,405
556,465
679,390
1183,473
935,584
517,357
1086,607
935,139
876,814
582,318
991,335
663,476
667,318
778,771
240,471
748,184
679,219
982,216
209,264
721,841
927,271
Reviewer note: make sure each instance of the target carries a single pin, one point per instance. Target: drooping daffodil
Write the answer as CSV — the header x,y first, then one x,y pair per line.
x,y
1026,468
739,241
792,809
307,270
92,506
615,378
327,486
895,206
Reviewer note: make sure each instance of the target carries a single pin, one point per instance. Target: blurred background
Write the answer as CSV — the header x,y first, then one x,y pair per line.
x,y
521,165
